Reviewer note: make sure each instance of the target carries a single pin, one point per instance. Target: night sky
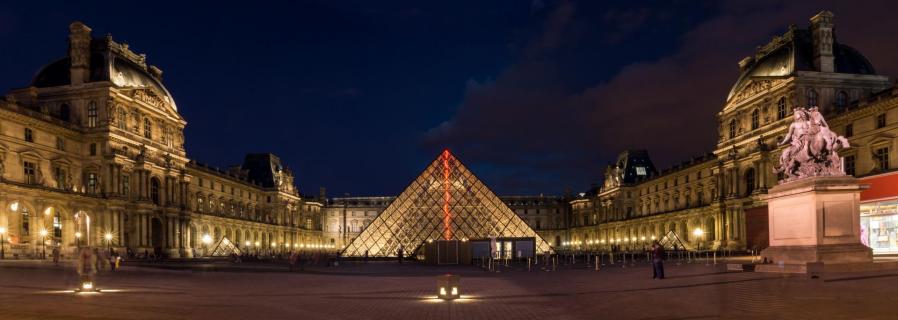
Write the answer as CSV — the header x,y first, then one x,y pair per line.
x,y
359,96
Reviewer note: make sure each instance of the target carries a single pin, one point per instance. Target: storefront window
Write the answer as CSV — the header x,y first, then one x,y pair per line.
x,y
879,226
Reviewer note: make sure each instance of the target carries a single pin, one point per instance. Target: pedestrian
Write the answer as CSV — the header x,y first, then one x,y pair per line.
x,y
657,260
55,256
366,257
118,260
401,254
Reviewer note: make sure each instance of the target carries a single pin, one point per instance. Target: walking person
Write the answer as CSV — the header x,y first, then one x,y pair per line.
x,y
657,260
56,256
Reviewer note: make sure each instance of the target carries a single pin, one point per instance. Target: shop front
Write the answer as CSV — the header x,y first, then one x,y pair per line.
x,y
879,213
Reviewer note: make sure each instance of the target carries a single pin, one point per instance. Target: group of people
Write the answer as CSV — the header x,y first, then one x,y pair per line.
x,y
111,257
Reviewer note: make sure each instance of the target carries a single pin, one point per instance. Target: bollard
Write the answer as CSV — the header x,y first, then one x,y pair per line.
x,y
715,258
528,264
611,258
624,261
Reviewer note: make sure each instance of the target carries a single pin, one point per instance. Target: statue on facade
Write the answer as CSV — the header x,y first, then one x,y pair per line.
x,y
812,148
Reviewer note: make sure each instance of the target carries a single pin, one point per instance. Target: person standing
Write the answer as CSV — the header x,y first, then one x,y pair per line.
x,y
56,256
401,254
657,260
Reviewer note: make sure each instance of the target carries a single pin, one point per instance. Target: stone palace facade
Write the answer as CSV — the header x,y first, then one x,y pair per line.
x,y
92,153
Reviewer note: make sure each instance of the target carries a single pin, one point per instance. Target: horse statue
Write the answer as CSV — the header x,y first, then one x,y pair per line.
x,y
812,147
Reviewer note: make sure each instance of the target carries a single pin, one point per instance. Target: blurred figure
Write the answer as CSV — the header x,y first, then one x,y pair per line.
x,y
657,260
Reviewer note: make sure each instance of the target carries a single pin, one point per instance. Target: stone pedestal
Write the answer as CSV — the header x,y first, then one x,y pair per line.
x,y
816,220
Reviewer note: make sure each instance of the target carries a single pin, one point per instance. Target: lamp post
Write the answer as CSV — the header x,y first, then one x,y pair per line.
x,y
698,237
2,243
108,237
43,243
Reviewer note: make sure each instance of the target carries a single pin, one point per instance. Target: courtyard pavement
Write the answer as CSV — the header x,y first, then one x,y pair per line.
x,y
387,290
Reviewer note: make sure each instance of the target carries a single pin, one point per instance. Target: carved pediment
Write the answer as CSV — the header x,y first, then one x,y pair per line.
x,y
755,87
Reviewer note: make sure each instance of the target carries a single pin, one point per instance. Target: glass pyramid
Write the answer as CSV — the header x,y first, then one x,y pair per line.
x,y
445,202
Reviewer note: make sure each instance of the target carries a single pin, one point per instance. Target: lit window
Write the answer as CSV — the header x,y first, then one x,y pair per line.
x,y
732,128
147,128
122,119
92,114
92,182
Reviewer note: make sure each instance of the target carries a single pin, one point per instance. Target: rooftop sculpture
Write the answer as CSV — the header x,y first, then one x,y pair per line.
x,y
812,148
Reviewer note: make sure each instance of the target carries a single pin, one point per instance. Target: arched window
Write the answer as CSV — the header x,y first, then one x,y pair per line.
x,y
755,119
154,190
199,204
781,108
91,114
841,100
732,128
812,98
65,112
147,128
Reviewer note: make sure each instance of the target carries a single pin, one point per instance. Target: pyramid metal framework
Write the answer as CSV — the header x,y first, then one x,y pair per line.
x,y
445,202
224,248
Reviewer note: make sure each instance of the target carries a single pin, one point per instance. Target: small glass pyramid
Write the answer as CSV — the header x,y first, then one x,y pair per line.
x,y
445,202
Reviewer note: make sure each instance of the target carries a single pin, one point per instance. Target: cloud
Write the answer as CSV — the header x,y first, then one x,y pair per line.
x,y
530,120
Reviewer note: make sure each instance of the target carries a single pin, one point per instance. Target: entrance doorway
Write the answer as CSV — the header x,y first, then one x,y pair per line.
x,y
156,236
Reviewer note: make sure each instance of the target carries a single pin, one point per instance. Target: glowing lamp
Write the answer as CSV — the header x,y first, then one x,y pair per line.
x,y
2,230
248,244
447,286
108,236
207,239
14,206
258,243
43,232
698,232
78,234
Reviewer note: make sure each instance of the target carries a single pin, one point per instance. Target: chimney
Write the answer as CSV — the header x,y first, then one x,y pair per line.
x,y
79,53
822,32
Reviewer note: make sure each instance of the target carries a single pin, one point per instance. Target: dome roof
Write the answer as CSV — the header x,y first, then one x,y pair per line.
x,y
795,52
121,72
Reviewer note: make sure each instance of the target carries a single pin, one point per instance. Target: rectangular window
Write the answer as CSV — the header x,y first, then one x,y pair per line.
x,y
29,135
60,144
30,172
93,149
849,165
92,115
92,182
882,158
849,130
122,120
881,121
59,173
699,196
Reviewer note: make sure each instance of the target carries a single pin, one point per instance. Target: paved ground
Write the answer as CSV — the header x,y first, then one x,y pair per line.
x,y
385,290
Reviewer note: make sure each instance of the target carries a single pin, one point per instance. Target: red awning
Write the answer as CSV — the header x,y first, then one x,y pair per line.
x,y
882,187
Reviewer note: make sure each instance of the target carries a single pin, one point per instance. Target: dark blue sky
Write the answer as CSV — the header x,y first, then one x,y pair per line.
x,y
358,96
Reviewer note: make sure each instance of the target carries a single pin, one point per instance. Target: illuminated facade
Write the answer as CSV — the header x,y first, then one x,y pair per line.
x,y
714,201
445,202
92,153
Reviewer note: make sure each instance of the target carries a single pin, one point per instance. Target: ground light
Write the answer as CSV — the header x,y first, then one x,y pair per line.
x,y
447,287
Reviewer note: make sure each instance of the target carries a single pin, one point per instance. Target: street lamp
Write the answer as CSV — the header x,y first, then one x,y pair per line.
x,y
2,242
698,234
43,243
108,238
78,239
